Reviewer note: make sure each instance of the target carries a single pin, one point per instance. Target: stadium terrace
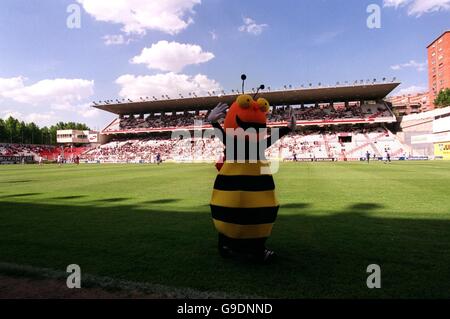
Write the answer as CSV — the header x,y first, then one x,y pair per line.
x,y
313,106
335,123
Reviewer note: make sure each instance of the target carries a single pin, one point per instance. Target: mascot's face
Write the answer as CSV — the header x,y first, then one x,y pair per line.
x,y
247,113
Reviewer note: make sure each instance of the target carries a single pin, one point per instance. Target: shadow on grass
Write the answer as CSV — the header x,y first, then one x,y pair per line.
x,y
16,182
365,207
162,201
320,255
111,200
69,197
20,195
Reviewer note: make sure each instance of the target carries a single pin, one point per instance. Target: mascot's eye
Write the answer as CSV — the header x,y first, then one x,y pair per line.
x,y
244,101
264,105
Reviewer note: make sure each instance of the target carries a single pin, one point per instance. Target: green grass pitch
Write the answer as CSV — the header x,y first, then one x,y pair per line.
x,y
148,223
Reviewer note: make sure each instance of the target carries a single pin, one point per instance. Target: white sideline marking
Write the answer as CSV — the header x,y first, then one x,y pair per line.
x,y
93,281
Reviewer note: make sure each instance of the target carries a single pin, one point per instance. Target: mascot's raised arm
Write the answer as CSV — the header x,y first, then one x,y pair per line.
x,y
243,204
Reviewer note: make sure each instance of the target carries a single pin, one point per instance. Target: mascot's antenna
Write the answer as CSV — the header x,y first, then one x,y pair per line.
x,y
243,78
261,87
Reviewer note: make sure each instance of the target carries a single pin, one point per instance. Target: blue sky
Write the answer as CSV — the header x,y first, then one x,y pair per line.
x,y
50,72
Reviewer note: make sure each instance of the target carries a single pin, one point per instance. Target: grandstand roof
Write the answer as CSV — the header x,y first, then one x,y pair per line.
x,y
374,91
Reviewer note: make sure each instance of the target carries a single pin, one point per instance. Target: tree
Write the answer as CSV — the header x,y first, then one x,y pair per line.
x,y
3,132
443,98
14,131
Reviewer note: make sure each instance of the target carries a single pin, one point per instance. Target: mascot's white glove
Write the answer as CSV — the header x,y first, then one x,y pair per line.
x,y
219,112
293,123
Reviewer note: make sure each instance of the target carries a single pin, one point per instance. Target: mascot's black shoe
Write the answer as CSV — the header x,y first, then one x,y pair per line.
x,y
225,251
268,256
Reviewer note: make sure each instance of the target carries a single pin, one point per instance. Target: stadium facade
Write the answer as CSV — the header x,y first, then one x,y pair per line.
x,y
335,123
73,137
428,133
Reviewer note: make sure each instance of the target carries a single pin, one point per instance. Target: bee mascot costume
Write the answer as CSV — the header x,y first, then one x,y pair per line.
x,y
243,204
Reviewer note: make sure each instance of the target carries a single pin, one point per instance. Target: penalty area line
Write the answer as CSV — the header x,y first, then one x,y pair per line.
x,y
112,284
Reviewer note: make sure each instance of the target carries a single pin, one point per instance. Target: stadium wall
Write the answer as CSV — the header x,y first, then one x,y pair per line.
x,y
442,150
428,133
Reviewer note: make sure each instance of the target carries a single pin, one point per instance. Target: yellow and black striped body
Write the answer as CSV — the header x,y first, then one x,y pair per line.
x,y
243,204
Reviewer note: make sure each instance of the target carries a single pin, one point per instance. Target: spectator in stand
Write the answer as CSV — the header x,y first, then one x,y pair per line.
x,y
325,112
315,143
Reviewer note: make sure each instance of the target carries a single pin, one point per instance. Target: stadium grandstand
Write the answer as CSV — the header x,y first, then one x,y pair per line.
x,y
334,123
23,153
71,144
20,153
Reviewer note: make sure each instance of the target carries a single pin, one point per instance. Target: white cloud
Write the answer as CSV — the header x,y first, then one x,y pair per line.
x,y
46,102
170,84
86,110
419,7
172,56
55,92
49,118
10,113
411,64
412,90
138,16
113,39
250,26
395,3
9,84
46,118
